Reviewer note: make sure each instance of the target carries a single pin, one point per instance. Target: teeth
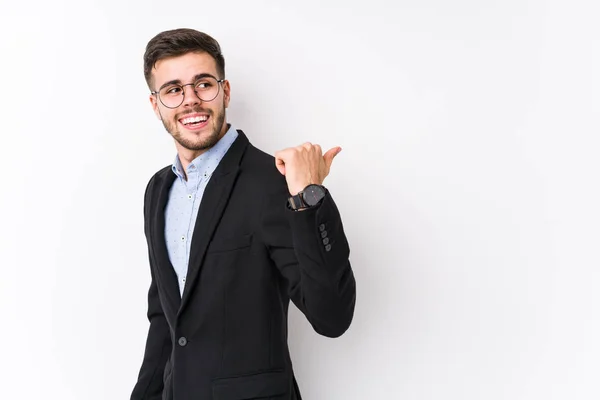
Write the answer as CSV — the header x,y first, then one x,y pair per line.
x,y
191,120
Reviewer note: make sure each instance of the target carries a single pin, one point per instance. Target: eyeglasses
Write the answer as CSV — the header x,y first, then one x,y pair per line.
x,y
206,88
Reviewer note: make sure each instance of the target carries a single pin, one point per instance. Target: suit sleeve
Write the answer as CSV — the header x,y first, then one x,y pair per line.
x,y
149,385
311,252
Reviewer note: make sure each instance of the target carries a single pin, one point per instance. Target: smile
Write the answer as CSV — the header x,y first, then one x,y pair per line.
x,y
194,121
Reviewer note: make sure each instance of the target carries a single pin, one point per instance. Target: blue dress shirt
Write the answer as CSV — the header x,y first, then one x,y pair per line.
x,y
184,201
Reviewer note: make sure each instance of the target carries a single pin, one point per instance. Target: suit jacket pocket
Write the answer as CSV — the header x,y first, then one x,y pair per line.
x,y
257,386
229,243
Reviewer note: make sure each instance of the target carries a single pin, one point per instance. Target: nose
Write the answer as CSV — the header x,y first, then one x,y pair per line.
x,y
190,97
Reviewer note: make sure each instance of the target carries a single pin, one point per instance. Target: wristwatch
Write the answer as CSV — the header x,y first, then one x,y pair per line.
x,y
309,197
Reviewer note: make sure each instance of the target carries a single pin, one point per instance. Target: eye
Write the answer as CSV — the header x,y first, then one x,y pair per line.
x,y
171,90
203,84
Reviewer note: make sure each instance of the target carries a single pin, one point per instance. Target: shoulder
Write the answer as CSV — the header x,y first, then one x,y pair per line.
x,y
158,176
260,166
153,184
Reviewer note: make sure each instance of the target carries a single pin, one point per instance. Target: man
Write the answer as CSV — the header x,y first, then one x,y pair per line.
x,y
233,234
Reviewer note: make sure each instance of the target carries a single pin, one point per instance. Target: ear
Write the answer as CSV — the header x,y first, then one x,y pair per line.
x,y
226,93
155,106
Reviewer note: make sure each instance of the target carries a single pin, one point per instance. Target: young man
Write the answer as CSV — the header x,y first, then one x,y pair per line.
x,y
233,234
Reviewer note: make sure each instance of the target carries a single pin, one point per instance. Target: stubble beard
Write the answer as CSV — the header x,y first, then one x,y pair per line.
x,y
201,142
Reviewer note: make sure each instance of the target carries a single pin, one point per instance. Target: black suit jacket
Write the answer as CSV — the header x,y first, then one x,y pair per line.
x,y
225,338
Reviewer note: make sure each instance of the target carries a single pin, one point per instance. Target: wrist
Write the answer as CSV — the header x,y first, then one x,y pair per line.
x,y
310,196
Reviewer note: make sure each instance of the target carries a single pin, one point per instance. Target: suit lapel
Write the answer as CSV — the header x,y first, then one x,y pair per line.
x,y
214,201
168,278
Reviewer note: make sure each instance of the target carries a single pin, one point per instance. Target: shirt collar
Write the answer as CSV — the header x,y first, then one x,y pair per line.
x,y
206,162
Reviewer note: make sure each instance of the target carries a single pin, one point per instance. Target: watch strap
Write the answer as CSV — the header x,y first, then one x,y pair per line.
x,y
296,202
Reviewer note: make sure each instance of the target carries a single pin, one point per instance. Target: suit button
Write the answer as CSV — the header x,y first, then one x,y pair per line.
x,y
321,227
182,341
328,247
324,234
326,241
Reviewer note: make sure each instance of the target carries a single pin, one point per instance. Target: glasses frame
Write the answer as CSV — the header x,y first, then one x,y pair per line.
x,y
219,82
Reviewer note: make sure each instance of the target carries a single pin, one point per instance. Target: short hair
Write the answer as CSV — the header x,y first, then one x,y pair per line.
x,y
177,42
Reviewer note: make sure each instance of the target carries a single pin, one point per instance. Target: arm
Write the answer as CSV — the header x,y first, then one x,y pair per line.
x,y
150,383
309,247
320,282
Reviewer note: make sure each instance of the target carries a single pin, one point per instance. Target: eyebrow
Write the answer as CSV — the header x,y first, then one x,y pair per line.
x,y
178,81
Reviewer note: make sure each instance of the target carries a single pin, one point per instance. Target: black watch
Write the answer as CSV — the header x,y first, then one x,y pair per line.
x,y
309,197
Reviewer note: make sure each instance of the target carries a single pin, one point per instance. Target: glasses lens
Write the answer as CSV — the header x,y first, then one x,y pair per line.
x,y
171,96
206,89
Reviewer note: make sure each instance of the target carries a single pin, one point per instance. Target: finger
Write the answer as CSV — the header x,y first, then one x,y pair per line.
x,y
318,149
280,164
307,145
331,153
283,155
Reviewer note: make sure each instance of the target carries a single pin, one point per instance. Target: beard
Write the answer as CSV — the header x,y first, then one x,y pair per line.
x,y
201,142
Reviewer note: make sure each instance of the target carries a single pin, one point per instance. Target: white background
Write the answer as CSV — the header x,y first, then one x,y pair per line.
x,y
468,186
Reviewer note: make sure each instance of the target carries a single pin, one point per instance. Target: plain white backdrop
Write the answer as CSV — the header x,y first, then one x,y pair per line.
x,y
468,186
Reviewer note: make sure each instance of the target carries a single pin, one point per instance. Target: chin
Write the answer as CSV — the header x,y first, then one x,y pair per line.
x,y
195,143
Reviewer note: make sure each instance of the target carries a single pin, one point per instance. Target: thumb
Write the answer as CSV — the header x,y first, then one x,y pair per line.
x,y
331,153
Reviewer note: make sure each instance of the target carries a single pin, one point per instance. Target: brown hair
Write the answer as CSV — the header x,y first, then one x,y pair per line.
x,y
178,42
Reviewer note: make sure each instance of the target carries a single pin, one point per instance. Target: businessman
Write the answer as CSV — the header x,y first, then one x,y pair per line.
x,y
233,235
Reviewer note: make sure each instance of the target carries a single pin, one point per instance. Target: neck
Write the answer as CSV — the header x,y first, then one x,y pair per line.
x,y
186,156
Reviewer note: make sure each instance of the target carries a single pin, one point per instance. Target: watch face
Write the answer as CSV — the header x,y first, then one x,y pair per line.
x,y
313,194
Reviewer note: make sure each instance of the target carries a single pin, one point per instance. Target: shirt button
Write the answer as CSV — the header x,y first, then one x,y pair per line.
x,y
183,238
189,196
183,280
182,341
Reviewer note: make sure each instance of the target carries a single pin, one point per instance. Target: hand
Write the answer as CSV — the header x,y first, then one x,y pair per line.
x,y
304,165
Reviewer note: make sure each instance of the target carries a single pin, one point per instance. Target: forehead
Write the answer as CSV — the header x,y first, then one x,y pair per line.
x,y
183,67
